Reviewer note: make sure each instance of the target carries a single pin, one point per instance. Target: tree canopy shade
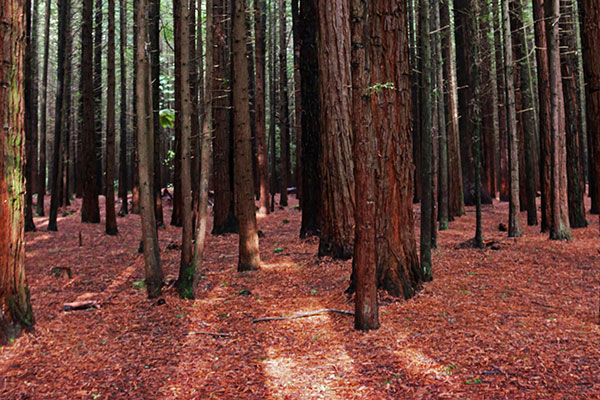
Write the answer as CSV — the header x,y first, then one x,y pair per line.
x,y
15,309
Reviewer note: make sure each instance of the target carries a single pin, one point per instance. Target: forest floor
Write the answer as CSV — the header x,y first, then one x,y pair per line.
x,y
516,320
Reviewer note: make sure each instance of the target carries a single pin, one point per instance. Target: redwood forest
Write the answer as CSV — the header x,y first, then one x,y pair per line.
x,y
299,199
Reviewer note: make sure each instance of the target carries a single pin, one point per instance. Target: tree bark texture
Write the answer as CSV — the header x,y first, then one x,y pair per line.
x,y
15,309
284,123
111,217
337,178
41,190
259,106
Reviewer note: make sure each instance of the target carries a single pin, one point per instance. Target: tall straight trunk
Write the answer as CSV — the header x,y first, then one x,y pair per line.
x,y
155,79
443,138
573,127
366,315
206,157
456,205
310,202
249,254
543,76
503,178
415,67
30,116
135,181
145,139
273,103
111,217
526,115
16,314
186,267
224,215
259,106
63,13
284,151
66,121
398,269
426,139
41,190
337,185
559,228
123,171
476,141
591,62
297,102
195,59
514,225
98,114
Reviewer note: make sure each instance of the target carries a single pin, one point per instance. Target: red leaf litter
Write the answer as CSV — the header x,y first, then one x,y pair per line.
x,y
516,320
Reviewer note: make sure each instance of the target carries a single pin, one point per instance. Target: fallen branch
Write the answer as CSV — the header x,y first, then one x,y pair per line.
x,y
81,305
215,334
307,314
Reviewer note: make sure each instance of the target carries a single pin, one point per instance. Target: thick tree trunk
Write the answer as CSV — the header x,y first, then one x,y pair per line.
x,y
366,315
176,212
123,171
591,64
514,225
259,106
15,309
297,102
111,217
41,189
63,14
398,270
337,185
224,216
98,114
249,255
145,140
559,228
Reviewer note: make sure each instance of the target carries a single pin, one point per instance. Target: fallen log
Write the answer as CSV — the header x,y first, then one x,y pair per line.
x,y
81,305
303,315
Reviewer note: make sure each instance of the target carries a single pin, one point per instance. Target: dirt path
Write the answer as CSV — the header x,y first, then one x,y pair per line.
x,y
516,322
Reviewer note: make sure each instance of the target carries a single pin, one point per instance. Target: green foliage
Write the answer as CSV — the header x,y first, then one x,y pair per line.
x,y
167,118
277,250
379,87
139,285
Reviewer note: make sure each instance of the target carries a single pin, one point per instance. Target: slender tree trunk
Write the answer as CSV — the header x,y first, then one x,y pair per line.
x,y
273,103
41,190
145,139
503,179
31,123
426,139
559,228
259,106
475,113
297,102
111,217
514,225
224,214
176,217
591,63
98,114
456,206
284,110
135,181
123,171
543,75
366,316
311,128
63,13
249,255
155,79
15,308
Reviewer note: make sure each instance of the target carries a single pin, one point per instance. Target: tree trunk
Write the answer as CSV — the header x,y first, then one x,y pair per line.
x,y
15,309
398,270
176,217
570,82
273,102
310,201
155,79
337,186
591,57
30,114
284,146
514,225
41,190
249,255
456,205
145,139
475,113
224,216
426,139
135,181
559,228
97,76
111,217
123,171
366,315
297,102
503,179
259,106
63,14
